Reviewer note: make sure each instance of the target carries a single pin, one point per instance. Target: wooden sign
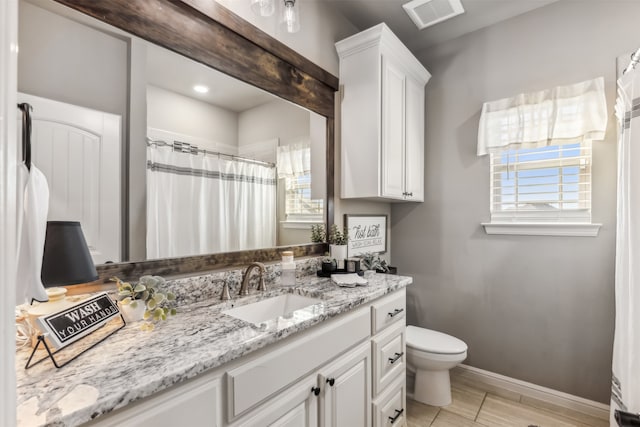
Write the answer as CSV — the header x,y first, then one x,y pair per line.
x,y
78,321
367,233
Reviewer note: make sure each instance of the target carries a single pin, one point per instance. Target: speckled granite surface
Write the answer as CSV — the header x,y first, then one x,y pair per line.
x,y
133,364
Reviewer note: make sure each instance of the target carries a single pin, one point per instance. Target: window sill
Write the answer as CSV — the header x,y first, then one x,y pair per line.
x,y
300,225
543,229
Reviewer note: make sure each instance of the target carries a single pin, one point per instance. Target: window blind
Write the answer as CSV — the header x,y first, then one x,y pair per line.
x,y
299,205
551,183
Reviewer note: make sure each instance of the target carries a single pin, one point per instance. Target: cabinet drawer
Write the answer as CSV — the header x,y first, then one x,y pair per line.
x,y
258,379
389,410
388,310
389,357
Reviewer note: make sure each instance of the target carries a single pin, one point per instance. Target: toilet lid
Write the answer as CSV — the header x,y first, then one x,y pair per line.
x,y
434,342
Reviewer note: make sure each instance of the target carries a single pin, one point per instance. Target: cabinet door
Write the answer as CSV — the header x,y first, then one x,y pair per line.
x,y
346,398
414,137
296,407
393,125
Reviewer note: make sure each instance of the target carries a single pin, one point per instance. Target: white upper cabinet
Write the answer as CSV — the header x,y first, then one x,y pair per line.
x,y
382,118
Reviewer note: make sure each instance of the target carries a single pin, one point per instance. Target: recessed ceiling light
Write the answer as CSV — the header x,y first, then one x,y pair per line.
x,y
201,89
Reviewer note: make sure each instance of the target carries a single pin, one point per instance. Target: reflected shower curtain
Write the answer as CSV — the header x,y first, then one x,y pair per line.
x,y
199,204
626,349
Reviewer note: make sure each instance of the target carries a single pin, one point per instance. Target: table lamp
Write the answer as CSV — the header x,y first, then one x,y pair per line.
x,y
66,261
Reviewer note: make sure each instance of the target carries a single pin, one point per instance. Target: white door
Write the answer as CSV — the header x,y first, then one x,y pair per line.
x,y
414,155
393,125
346,399
78,150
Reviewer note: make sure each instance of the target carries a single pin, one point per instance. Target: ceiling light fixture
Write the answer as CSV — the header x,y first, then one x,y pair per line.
x,y
290,17
263,8
201,88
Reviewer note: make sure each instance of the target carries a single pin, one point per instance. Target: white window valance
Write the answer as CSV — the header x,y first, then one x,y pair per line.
x,y
294,160
537,119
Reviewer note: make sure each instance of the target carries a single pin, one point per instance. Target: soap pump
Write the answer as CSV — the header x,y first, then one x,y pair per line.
x,y
288,269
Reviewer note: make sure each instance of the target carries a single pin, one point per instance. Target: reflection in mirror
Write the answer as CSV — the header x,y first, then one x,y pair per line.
x,y
228,166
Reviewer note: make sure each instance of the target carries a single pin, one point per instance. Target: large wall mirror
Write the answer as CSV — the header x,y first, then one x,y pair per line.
x,y
170,164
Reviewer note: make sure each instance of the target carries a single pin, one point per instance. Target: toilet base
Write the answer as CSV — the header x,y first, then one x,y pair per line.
x,y
432,387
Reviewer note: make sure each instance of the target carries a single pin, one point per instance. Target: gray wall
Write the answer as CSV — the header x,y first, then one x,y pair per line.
x,y
539,309
66,61
174,112
62,60
276,119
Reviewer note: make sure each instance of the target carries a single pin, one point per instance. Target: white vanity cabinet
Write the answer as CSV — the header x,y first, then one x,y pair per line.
x,y
382,118
269,373
346,371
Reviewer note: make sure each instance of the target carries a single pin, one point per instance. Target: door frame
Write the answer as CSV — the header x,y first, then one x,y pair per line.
x,y
8,206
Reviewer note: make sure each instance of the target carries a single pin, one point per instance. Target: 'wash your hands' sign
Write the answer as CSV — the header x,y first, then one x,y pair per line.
x,y
78,321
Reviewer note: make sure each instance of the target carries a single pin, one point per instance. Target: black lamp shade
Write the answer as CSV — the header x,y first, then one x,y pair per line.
x,y
66,259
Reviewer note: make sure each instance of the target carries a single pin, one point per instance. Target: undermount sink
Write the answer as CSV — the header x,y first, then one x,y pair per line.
x,y
271,308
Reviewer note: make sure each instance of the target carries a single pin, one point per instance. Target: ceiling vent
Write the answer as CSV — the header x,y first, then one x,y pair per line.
x,y
426,13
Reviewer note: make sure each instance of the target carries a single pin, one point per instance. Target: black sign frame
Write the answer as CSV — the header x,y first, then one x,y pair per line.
x,y
77,322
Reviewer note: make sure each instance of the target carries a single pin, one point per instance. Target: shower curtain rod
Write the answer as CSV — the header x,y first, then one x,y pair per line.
x,y
635,58
185,147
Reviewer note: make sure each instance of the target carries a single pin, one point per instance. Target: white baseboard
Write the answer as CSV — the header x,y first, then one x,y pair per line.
x,y
554,397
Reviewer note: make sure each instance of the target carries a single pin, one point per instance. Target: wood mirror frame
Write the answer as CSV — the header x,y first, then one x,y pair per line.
x,y
207,32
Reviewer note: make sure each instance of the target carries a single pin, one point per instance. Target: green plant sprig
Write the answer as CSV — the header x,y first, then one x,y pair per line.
x,y
146,292
318,234
337,237
372,261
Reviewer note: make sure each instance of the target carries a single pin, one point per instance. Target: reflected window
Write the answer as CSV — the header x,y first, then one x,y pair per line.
x,y
294,166
298,204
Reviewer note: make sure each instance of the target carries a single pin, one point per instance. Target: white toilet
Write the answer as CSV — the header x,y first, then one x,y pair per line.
x,y
431,355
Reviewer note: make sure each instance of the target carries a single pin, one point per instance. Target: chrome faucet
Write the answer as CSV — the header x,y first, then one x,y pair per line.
x,y
244,287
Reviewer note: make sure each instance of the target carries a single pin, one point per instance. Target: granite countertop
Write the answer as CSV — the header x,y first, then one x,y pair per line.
x,y
132,364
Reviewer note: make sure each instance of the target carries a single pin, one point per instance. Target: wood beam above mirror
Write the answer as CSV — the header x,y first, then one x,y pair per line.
x,y
227,18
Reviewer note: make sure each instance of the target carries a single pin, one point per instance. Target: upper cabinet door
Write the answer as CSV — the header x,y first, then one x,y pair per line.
x,y
393,130
381,118
414,155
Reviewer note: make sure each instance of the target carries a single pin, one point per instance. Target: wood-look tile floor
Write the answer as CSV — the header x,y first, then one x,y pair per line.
x,y
474,405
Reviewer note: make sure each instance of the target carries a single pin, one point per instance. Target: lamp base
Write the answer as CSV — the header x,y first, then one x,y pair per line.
x,y
57,302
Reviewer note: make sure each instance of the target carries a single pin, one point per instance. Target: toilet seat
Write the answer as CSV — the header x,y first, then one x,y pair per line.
x,y
433,342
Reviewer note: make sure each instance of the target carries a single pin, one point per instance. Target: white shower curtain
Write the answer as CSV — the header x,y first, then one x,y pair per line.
x,y
199,204
626,350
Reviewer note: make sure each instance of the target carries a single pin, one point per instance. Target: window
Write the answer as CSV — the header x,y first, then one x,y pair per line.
x,y
294,166
299,206
539,147
545,184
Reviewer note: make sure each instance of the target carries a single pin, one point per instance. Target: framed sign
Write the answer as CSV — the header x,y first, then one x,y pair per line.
x,y
73,323
367,233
